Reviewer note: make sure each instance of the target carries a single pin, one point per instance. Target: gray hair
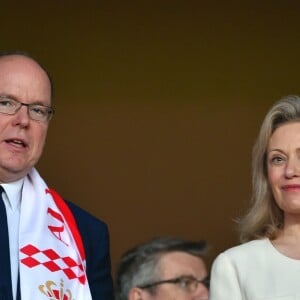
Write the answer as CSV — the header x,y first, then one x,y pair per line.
x,y
140,265
265,218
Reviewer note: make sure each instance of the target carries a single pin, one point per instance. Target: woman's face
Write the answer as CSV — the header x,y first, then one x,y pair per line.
x,y
283,162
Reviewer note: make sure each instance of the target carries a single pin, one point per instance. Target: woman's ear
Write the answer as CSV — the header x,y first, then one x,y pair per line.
x,y
136,294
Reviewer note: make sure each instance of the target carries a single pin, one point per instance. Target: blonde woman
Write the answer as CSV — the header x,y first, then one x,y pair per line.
x,y
266,266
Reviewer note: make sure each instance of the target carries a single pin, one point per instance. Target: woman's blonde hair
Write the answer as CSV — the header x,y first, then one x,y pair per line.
x,y
265,218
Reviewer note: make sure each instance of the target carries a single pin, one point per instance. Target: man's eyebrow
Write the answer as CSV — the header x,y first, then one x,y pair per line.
x,y
37,102
9,96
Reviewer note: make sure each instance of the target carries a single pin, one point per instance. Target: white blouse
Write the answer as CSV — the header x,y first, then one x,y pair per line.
x,y
255,271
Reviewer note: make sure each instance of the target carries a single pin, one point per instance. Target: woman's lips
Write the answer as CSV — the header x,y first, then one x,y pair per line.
x,y
291,187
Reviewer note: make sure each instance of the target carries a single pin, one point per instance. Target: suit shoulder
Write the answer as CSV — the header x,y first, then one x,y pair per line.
x,y
82,215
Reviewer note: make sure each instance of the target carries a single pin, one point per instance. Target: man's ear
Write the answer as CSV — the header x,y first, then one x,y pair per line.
x,y
136,294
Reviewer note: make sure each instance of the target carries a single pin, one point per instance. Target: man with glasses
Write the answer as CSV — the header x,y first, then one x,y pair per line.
x,y
49,248
164,268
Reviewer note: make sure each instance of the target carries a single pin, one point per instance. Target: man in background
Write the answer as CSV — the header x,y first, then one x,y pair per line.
x,y
49,248
164,268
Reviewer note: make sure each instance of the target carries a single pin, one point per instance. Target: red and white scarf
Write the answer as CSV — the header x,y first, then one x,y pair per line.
x,y
52,257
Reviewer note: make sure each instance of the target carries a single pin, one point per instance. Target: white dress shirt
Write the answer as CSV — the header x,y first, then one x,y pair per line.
x,y
12,201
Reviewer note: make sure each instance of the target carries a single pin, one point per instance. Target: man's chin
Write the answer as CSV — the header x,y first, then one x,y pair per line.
x,y
12,173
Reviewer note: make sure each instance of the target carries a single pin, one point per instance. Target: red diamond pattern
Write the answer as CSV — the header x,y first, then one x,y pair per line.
x,y
51,256
69,273
69,261
30,262
52,266
82,279
30,250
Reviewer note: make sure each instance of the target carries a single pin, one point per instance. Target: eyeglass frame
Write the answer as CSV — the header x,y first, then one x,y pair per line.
x,y
181,280
50,110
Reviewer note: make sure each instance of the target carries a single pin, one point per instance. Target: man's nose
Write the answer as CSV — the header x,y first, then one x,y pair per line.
x,y
21,117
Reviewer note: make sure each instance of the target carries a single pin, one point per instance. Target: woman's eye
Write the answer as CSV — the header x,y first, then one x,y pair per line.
x,y
277,160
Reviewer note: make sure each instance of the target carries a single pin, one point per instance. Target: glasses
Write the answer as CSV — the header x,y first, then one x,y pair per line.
x,y
36,112
187,283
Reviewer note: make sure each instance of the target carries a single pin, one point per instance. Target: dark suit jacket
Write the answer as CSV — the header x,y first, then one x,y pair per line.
x,y
95,238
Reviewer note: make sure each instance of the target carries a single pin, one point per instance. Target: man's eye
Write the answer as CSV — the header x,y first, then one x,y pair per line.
x,y
6,103
186,282
38,110
189,282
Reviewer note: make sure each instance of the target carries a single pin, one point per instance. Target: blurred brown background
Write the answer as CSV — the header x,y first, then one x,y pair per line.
x,y
158,104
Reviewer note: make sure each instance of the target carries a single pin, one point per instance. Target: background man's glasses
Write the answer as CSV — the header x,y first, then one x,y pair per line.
x,y
36,112
188,283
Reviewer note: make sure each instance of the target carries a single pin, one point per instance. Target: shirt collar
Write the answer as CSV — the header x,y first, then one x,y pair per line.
x,y
13,192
